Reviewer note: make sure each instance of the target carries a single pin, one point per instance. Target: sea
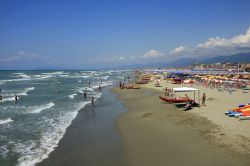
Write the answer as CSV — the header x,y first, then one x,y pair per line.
x,y
48,101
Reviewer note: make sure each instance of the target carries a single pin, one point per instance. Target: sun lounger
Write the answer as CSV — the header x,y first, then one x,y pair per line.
x,y
233,113
244,118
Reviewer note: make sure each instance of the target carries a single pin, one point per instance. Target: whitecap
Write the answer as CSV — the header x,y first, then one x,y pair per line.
x,y
9,99
64,75
72,96
33,153
102,85
37,109
4,121
25,91
104,77
24,75
81,90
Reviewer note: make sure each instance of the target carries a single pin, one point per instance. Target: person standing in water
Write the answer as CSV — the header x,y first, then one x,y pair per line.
x,y
16,98
92,100
100,88
85,95
1,98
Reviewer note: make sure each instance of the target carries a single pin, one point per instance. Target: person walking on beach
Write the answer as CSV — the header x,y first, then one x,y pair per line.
x,y
203,99
120,85
92,100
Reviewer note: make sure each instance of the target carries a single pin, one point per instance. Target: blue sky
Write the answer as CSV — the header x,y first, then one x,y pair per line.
x,y
95,34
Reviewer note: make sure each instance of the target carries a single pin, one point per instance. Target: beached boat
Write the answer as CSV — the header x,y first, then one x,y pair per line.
x,y
177,81
141,82
129,87
175,100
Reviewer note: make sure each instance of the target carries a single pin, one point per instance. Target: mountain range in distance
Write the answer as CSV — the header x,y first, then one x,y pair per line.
x,y
185,62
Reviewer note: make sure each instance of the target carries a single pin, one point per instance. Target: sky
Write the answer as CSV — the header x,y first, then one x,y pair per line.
x,y
86,34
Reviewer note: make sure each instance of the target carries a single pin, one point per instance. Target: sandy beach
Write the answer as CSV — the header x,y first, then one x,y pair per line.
x,y
92,138
156,134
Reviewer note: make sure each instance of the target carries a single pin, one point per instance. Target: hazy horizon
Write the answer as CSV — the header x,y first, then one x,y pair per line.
x,y
108,34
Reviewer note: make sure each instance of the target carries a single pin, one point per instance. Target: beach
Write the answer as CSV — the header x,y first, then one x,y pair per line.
x,y
57,125
156,134
92,138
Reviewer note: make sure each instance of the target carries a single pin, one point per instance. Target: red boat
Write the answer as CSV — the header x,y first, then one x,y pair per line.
x,y
177,81
141,82
129,87
175,100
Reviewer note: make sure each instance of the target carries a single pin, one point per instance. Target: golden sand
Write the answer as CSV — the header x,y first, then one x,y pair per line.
x,y
156,135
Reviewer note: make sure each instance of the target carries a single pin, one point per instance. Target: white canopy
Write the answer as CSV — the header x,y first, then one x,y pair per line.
x,y
184,89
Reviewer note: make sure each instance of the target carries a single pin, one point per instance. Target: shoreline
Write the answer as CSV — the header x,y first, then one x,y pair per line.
x,y
153,134
92,138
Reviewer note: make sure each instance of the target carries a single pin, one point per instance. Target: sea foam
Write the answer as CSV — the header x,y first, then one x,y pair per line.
x,y
36,152
72,96
25,91
40,108
4,121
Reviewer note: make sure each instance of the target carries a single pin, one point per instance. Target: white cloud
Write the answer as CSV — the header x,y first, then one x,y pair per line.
x,y
121,58
21,56
237,41
217,46
179,50
152,54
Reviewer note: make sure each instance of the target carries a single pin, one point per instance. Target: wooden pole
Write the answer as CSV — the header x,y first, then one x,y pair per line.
x,y
199,97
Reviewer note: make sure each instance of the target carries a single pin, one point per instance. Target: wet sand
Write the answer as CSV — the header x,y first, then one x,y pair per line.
x,y
92,138
155,134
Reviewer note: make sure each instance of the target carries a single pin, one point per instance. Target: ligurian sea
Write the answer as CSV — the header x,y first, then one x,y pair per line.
x,y
48,101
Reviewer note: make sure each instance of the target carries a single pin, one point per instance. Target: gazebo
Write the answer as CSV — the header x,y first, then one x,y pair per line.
x,y
187,89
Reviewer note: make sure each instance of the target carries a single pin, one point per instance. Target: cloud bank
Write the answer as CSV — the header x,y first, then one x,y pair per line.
x,y
216,46
153,53
21,56
213,46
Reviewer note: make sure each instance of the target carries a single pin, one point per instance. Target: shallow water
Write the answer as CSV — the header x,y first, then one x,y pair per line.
x,y
92,138
31,128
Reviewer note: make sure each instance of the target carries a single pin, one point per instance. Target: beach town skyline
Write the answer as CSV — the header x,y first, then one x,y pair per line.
x,y
102,34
